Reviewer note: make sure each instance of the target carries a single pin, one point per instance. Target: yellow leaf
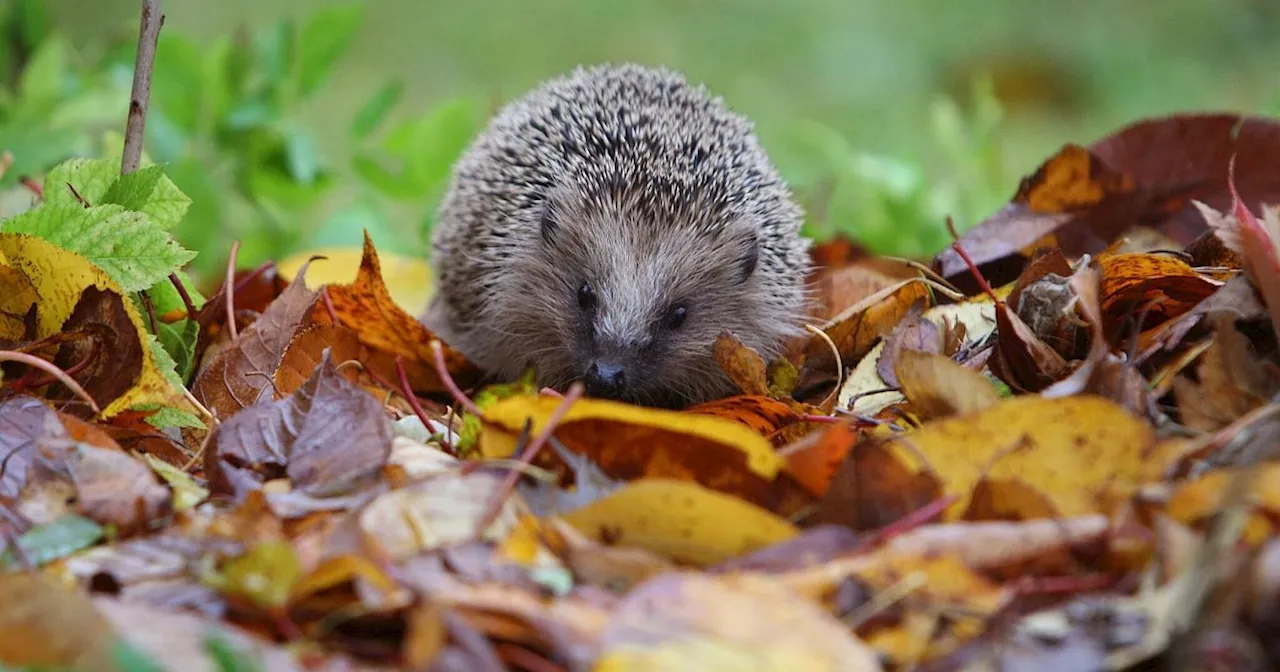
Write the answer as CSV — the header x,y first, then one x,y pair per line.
x,y
681,521
1084,453
407,278
58,278
264,575
629,442
1196,502
338,570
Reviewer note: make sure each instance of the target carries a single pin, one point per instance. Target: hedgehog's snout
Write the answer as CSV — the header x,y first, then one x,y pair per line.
x,y
605,379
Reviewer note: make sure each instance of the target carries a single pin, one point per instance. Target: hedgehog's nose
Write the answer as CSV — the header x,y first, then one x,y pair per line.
x,y
605,380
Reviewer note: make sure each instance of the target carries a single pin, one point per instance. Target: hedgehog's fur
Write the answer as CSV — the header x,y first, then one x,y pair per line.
x,y
649,189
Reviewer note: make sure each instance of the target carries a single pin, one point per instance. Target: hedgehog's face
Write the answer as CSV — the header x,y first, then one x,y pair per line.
x,y
633,308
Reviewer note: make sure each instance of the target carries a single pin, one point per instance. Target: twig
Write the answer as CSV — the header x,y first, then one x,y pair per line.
x,y
530,452
407,390
230,287
968,261
448,381
148,35
31,360
186,297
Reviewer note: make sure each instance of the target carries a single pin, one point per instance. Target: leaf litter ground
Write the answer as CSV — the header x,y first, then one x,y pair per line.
x,y
1055,445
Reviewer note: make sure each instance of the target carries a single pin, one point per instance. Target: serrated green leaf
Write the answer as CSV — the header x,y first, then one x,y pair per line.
x,y
374,110
149,190
168,416
133,190
322,41
179,340
61,537
89,177
168,368
126,244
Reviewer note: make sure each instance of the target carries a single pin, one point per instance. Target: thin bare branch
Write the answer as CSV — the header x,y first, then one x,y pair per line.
x,y
148,35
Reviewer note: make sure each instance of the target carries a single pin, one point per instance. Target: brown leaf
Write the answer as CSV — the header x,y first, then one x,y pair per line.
x,y
769,417
816,458
1154,286
912,333
304,353
46,470
937,387
47,626
858,328
329,438
1168,161
1230,381
873,488
366,307
108,343
1023,361
745,366
241,374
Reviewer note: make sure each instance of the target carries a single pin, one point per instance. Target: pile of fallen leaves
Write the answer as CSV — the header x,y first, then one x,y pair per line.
x,y
1055,446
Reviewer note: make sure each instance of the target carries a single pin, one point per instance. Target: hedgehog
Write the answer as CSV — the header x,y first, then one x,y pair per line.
x,y
606,228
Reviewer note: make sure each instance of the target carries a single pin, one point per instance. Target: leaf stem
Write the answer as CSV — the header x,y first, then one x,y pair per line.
x,y
229,286
448,381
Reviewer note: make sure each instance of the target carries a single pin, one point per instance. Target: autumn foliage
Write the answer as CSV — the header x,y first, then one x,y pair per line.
x,y
1053,446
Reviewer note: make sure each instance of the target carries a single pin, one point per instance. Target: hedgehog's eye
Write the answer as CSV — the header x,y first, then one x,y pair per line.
x,y
586,296
676,315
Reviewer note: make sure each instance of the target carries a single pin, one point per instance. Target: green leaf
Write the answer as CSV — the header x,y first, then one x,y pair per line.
x,y
129,658
227,657
150,191
322,41
168,367
168,416
303,161
56,539
430,144
127,245
43,78
179,341
91,178
374,110
133,190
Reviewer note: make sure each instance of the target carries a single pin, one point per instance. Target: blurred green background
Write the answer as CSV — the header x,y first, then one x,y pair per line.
x,y
295,124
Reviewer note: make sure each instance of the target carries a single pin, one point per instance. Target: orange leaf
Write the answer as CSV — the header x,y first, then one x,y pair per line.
x,y
366,307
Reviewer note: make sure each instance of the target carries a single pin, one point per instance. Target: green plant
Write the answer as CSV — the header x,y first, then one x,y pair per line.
x,y
899,206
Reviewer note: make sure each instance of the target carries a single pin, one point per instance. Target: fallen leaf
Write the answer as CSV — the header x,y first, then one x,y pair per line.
x,y
815,458
745,366
307,349
1152,287
692,621
874,488
240,374
1169,161
366,307
651,443
61,279
771,418
856,330
937,387
295,437
47,626
681,521
1084,453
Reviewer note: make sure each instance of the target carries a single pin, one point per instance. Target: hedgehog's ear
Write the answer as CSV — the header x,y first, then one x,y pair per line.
x,y
749,257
